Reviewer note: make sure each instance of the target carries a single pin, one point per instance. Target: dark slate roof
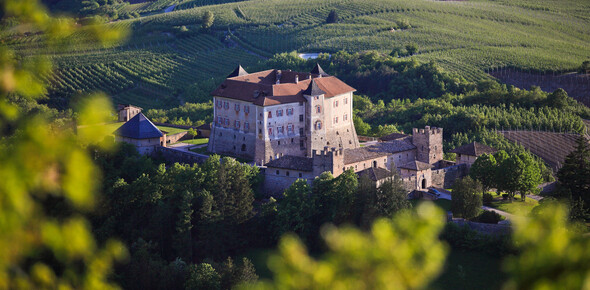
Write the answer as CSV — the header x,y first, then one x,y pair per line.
x,y
375,173
239,71
416,165
395,146
380,149
362,153
474,149
292,162
393,136
313,89
317,70
139,127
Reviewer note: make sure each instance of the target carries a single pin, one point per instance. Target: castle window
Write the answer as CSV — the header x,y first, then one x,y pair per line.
x,y
300,175
279,113
280,130
279,142
243,147
270,131
226,121
301,144
345,117
246,126
300,118
226,105
300,103
346,101
335,120
287,173
290,129
318,125
219,104
237,107
318,109
237,124
219,121
336,104
277,170
246,109
289,111
300,131
270,114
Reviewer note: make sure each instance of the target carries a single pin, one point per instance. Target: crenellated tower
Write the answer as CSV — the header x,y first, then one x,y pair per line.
x,y
428,142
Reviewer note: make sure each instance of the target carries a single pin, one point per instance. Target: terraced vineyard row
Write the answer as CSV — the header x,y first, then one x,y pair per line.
x,y
85,79
550,146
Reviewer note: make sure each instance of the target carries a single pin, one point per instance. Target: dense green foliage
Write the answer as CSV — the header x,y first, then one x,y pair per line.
x,y
466,200
574,175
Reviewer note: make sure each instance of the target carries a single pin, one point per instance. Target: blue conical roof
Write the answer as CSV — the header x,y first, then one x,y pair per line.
x,y
139,127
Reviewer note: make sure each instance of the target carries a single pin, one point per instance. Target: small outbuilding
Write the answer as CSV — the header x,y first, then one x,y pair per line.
x,y
468,153
376,174
204,131
422,171
142,133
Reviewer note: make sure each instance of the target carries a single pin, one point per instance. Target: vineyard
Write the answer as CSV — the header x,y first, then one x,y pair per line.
x,y
550,146
167,54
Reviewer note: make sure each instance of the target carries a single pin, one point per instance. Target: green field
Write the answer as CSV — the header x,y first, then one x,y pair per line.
x,y
516,207
199,141
171,130
168,59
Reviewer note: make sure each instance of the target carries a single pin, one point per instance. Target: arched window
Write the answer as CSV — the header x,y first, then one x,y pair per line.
x,y
318,109
318,125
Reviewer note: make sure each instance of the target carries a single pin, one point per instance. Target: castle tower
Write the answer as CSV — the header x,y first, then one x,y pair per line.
x,y
329,159
315,125
428,142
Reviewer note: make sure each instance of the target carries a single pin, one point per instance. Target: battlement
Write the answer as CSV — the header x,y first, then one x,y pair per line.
x,y
427,131
327,152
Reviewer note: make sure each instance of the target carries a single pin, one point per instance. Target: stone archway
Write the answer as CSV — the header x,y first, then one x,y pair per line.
x,y
424,183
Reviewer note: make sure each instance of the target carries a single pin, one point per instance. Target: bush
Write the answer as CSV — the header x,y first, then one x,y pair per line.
x,y
487,198
505,196
488,217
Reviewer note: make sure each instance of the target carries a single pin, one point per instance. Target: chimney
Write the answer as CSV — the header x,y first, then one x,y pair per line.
x,y
296,79
309,77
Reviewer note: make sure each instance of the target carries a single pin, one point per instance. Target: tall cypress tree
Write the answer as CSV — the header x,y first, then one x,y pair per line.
x,y
574,176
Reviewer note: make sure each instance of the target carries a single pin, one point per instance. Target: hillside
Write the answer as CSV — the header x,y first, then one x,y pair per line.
x,y
550,146
167,53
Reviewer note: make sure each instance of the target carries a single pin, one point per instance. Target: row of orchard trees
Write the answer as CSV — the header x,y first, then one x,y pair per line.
x,y
511,173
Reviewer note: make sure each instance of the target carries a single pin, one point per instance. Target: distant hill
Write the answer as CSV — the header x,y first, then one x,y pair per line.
x,y
167,53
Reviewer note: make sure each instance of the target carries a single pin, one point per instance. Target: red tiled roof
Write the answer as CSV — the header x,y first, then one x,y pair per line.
x,y
261,88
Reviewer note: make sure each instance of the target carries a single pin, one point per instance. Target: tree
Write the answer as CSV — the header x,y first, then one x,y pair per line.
x,y
391,197
411,48
42,163
553,254
530,177
559,99
484,170
585,67
203,276
574,175
207,20
295,210
466,201
332,17
192,133
386,257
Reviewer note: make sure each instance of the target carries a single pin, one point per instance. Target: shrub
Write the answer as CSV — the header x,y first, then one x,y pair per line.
x,y
488,217
487,198
505,196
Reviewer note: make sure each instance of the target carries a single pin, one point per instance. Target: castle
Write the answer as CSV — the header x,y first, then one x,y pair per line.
x,y
266,115
298,125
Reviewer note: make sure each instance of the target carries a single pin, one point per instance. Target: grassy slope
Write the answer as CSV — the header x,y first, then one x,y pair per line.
x,y
154,67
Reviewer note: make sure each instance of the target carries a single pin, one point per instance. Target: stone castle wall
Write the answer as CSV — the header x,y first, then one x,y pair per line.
x,y
445,177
